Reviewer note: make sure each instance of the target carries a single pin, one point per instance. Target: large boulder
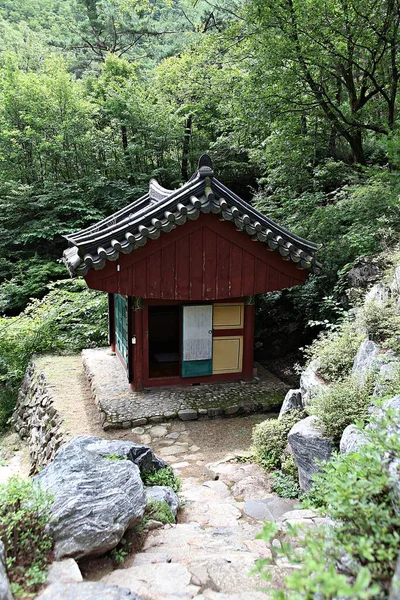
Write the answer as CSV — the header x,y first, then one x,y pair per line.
x,y
98,495
309,445
292,401
352,439
86,591
379,294
388,373
5,591
140,455
310,382
369,358
165,494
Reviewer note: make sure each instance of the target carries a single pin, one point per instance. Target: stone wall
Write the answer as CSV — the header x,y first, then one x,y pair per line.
x,y
36,419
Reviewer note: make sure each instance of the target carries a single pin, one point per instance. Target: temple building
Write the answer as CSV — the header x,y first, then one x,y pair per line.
x,y
181,269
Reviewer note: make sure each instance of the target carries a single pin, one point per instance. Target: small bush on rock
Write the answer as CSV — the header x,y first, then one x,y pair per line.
x,y
341,404
270,439
285,485
158,510
356,557
336,350
24,513
382,324
164,476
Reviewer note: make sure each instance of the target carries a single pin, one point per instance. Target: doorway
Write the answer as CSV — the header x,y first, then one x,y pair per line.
x,y
164,341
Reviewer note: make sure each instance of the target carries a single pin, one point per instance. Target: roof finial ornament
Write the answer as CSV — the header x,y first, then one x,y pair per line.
x,y
205,167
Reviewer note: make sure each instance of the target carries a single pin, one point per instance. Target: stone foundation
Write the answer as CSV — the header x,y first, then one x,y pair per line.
x,y
120,407
36,419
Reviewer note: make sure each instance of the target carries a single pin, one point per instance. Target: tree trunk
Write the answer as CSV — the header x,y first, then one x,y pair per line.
x,y
355,141
185,149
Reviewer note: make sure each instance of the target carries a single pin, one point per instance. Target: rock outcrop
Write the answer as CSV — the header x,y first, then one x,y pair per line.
x,y
310,382
309,445
369,359
163,493
5,590
352,439
293,400
98,495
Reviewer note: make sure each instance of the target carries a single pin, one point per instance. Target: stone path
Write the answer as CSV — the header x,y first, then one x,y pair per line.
x,y
120,407
209,554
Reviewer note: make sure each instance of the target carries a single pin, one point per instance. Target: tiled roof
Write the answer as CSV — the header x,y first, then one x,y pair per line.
x,y
161,210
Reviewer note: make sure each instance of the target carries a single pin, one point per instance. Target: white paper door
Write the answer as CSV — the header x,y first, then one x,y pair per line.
x,y
197,340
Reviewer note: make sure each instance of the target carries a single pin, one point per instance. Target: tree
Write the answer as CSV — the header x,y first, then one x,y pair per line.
x,y
337,56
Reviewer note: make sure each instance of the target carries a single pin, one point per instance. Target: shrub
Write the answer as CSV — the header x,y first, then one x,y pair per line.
x,y
341,404
158,510
285,485
270,438
357,492
336,350
164,476
24,513
382,324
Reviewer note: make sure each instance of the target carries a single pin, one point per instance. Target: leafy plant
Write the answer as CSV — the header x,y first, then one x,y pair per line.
x,y
158,510
285,485
165,476
115,457
341,404
24,514
356,557
270,438
382,323
336,350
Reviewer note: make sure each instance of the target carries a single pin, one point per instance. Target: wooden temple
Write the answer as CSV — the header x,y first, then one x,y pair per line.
x,y
181,269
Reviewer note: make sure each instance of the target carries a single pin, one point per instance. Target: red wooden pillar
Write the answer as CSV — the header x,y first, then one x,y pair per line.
x,y
248,342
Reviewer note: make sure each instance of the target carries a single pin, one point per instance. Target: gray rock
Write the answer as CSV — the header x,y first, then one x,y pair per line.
x,y
5,591
378,294
64,571
96,499
395,285
292,401
310,382
387,374
86,591
165,494
394,593
309,445
369,358
188,414
352,439
141,455
270,510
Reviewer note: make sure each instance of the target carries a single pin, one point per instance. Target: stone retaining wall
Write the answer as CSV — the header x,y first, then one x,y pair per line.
x,y
36,419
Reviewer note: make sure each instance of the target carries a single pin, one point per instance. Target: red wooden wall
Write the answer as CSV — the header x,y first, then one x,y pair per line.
x,y
204,259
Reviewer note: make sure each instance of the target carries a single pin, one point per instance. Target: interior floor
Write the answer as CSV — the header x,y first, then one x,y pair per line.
x,y
164,341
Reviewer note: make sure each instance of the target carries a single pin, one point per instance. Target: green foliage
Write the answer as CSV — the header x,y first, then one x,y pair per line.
x,y
285,485
115,457
356,491
69,318
270,439
382,324
24,513
158,510
165,476
335,350
342,403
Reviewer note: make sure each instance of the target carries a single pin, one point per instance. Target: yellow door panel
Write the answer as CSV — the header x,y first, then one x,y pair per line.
x,y
228,316
227,354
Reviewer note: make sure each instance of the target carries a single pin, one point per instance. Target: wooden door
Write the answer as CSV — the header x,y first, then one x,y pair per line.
x,y
197,340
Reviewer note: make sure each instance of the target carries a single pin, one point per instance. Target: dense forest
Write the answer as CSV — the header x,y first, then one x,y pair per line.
x,y
296,101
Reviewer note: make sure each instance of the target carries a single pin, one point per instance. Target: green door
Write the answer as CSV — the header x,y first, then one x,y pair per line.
x,y
121,326
197,340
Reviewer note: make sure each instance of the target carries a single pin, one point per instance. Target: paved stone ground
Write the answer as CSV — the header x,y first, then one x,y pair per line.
x,y
122,408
